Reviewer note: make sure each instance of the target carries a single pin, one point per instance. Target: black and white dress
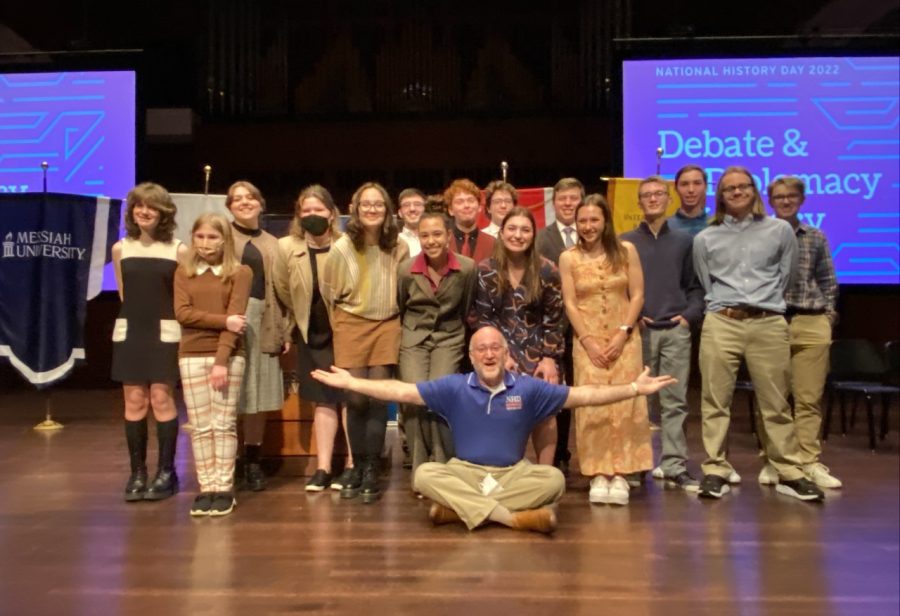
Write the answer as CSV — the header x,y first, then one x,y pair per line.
x,y
146,334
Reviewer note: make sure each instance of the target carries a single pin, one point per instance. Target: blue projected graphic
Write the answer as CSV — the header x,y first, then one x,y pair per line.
x,y
82,124
834,122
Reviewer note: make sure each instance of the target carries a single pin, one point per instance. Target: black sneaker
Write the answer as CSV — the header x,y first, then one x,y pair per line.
x,y
202,504
802,488
685,481
369,488
350,487
256,478
713,486
222,504
341,480
319,481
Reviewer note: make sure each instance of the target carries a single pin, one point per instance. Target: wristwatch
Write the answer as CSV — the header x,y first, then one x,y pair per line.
x,y
627,329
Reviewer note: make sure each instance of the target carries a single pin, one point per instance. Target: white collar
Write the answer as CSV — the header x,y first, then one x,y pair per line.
x,y
562,228
216,269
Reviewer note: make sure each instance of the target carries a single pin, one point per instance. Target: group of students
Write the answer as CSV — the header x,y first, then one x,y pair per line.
x,y
570,301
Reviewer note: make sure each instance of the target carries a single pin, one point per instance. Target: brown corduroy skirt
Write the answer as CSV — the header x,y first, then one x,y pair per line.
x,y
360,342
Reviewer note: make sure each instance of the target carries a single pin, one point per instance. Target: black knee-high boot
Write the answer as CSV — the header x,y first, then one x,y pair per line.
x,y
165,484
357,408
136,437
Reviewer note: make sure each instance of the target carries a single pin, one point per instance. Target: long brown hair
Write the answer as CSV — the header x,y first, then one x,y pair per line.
x,y
387,239
531,279
230,261
612,247
157,197
757,209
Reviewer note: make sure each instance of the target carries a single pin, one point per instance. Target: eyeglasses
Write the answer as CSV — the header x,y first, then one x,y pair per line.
x,y
501,201
481,349
659,194
741,187
371,206
787,197
409,204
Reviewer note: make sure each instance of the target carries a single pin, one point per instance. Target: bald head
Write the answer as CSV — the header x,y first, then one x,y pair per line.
x,y
487,335
488,352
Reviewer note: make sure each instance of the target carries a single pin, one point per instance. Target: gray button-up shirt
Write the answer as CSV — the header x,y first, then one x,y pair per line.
x,y
746,263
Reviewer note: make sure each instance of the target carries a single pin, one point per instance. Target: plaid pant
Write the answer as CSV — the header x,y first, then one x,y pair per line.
x,y
213,416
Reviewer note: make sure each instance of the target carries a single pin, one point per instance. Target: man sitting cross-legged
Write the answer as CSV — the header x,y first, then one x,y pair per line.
x,y
491,413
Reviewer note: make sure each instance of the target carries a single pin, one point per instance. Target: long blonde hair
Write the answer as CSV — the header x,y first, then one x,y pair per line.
x,y
230,262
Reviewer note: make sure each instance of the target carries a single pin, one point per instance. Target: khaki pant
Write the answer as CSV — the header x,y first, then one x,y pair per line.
x,y
810,344
457,485
764,344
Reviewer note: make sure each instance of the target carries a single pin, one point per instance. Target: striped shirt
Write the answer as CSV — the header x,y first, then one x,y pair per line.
x,y
814,283
363,283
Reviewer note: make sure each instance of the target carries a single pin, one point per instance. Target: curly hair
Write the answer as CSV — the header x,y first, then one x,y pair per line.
x,y
155,196
456,187
387,238
493,187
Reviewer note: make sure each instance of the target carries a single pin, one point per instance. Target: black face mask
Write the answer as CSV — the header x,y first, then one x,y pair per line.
x,y
317,225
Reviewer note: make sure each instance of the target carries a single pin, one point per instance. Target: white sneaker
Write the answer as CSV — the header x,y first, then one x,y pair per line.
x,y
658,473
768,476
599,490
618,491
821,475
734,478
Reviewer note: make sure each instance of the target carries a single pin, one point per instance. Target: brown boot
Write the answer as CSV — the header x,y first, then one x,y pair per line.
x,y
541,520
439,514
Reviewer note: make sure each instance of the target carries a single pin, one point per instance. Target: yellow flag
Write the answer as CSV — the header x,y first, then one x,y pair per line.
x,y
622,195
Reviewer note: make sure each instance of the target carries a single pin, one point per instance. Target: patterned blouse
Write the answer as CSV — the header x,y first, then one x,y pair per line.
x,y
535,329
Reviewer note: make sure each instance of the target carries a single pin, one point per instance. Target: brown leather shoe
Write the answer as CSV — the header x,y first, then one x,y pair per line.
x,y
541,520
439,514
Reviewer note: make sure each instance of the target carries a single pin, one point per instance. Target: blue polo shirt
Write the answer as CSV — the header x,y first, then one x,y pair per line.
x,y
492,429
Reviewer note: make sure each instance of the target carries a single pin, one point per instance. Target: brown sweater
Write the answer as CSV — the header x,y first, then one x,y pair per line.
x,y
202,304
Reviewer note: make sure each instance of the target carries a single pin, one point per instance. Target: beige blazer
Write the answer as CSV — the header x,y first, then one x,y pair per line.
x,y
440,315
293,279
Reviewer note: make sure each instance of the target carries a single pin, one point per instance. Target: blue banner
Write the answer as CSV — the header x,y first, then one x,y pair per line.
x,y
53,250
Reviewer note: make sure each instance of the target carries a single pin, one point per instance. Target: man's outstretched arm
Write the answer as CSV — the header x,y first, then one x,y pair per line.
x,y
595,395
387,389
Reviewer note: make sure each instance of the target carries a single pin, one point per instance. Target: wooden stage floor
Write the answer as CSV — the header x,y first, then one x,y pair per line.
x,y
70,545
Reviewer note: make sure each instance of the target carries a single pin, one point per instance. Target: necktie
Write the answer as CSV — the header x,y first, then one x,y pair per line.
x,y
568,240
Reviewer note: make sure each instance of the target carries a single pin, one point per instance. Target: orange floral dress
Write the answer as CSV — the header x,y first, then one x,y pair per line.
x,y
612,439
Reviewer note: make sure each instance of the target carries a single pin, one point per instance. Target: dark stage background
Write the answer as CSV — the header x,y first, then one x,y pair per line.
x,y
409,93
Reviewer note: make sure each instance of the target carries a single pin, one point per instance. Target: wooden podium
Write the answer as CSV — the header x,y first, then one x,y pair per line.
x,y
290,440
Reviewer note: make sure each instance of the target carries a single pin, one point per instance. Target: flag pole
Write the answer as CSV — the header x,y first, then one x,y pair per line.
x,y
504,169
44,166
207,171
659,153
48,424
